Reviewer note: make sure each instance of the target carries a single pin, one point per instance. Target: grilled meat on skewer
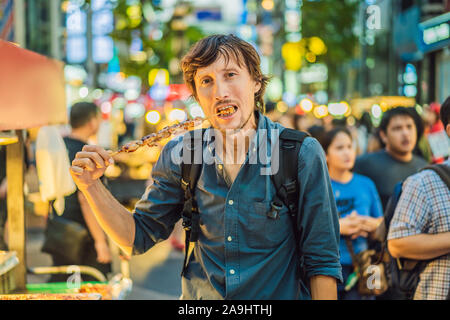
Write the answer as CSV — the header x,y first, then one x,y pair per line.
x,y
153,138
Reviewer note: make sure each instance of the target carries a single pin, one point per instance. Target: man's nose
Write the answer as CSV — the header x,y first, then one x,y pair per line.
x,y
221,91
407,131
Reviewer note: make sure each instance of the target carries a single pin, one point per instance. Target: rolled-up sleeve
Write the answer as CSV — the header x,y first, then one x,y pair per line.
x,y
160,207
319,221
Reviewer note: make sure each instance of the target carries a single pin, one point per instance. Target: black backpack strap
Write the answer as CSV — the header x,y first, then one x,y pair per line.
x,y
391,205
190,172
442,170
286,180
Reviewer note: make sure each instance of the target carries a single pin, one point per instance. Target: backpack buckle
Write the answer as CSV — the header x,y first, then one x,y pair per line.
x,y
184,184
274,212
187,225
290,187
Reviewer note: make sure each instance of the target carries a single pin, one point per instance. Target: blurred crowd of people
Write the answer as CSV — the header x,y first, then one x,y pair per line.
x,y
365,165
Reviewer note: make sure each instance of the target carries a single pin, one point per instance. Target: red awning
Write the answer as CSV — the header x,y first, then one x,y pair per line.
x,y
32,92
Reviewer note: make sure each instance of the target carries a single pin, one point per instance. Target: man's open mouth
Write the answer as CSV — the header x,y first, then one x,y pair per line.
x,y
406,142
226,111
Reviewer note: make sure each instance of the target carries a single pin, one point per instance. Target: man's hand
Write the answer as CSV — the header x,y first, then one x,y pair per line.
x,y
103,252
352,225
371,224
89,165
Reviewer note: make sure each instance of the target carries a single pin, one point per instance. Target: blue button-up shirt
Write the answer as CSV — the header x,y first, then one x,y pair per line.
x,y
242,253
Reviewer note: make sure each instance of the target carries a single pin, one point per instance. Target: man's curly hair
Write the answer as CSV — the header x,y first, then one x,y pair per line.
x,y
209,49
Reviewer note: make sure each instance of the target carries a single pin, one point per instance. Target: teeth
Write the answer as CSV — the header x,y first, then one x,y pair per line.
x,y
224,108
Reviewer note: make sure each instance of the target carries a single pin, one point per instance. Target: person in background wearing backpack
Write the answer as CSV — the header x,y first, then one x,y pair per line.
x,y
420,227
357,200
398,131
246,247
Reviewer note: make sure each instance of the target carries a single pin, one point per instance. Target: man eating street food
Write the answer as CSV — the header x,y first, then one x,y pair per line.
x,y
246,246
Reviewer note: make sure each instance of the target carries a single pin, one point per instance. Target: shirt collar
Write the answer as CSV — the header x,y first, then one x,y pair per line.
x,y
262,124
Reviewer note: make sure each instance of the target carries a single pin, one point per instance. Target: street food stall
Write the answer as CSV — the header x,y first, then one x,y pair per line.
x,y
32,95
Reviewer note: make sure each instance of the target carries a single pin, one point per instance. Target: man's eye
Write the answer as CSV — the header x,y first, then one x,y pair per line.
x,y
205,81
231,74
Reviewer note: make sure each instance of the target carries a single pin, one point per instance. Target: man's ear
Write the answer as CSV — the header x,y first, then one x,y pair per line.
x,y
258,86
447,129
192,91
92,122
383,136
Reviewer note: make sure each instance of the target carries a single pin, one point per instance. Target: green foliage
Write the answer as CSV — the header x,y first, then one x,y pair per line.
x,y
160,52
333,22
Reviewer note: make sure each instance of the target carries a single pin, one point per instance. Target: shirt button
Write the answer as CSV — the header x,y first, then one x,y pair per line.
x,y
229,238
232,271
230,202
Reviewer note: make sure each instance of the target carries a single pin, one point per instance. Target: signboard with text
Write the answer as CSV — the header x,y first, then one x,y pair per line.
x,y
435,33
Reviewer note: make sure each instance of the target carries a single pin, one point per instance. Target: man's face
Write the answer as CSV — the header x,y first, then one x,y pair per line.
x,y
401,134
220,85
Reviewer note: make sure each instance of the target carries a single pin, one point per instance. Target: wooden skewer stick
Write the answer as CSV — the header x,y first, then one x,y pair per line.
x,y
157,135
162,134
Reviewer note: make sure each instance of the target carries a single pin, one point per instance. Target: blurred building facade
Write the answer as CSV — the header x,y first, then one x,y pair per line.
x,y
126,53
421,43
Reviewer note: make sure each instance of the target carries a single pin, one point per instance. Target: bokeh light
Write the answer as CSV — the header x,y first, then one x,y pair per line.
x,y
153,117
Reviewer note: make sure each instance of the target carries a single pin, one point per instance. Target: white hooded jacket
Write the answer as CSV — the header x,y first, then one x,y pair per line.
x,y
52,164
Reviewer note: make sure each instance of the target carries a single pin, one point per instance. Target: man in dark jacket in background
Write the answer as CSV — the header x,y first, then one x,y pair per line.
x,y
387,167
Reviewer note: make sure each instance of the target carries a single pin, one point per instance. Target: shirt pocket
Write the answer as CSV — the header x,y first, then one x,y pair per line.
x,y
264,231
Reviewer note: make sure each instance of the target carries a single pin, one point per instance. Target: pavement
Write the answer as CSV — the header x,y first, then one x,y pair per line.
x,y
155,274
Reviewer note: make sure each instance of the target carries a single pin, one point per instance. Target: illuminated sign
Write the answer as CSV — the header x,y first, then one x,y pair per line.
x,y
436,34
210,14
76,26
159,92
293,20
76,22
76,49
100,4
158,76
102,49
315,73
76,45
410,81
102,22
